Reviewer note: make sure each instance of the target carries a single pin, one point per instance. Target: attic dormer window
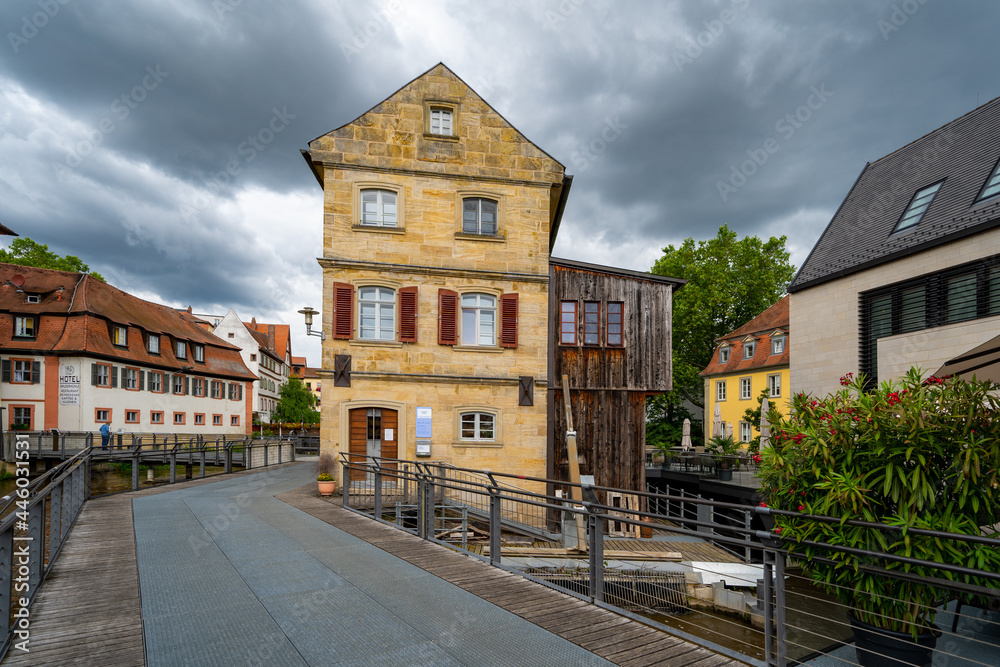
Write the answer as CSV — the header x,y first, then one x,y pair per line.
x,y
749,349
32,298
441,121
992,185
723,355
914,213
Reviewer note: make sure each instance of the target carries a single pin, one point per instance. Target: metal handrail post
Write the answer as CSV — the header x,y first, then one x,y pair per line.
x,y
768,594
595,522
378,493
227,454
346,490
781,648
496,543
173,464
422,508
201,471
135,470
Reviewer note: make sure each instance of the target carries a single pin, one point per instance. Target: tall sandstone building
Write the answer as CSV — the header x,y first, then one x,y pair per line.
x,y
438,216
443,332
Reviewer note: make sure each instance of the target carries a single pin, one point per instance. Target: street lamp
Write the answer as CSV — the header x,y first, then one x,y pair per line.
x,y
308,312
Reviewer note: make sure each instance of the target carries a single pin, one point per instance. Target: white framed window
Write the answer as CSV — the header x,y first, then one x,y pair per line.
x,y
745,386
156,381
179,417
21,417
199,419
746,432
377,313
778,345
720,390
477,426
479,319
378,208
120,336
102,375
156,417
723,355
441,121
774,385
749,349
479,216
216,420
32,298
178,384
102,415
181,349
153,343
130,378
131,416
22,371
199,352
234,420
25,326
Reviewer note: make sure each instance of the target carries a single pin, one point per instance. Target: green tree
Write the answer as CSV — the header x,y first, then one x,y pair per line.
x,y
665,415
25,252
731,280
295,404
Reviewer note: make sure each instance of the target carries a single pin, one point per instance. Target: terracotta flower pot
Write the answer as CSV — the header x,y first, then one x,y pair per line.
x,y
327,488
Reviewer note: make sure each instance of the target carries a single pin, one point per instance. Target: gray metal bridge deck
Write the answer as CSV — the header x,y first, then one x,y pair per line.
x,y
229,574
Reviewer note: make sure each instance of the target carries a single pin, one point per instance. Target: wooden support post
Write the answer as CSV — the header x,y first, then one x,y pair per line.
x,y
576,493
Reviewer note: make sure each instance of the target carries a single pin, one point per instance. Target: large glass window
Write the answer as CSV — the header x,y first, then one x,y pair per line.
x,y
961,298
479,216
591,323
567,323
130,376
745,392
153,344
477,426
378,208
992,186
22,418
120,336
614,323
22,370
720,390
479,314
377,310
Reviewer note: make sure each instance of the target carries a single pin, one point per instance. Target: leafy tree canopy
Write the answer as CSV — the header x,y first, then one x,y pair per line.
x,y
295,404
730,281
25,252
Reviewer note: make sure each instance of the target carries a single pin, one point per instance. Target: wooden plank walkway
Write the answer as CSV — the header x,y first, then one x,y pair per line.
x,y
88,611
615,638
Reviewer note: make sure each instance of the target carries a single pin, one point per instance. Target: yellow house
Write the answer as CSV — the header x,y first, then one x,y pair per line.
x,y
747,361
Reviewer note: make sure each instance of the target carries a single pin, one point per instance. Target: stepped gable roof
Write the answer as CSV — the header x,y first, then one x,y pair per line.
x,y
960,155
759,329
76,312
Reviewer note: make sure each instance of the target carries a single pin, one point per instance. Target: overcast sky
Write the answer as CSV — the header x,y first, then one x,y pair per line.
x,y
116,117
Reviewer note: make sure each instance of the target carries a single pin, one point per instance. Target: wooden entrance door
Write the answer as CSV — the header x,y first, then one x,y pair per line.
x,y
374,432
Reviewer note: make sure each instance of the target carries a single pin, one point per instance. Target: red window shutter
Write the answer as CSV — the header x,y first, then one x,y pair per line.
x,y
447,317
343,310
508,320
408,314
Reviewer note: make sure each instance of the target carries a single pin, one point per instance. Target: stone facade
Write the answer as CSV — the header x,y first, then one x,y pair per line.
x,y
826,320
391,148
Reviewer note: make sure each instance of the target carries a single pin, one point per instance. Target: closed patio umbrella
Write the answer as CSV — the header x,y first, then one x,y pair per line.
x,y
686,436
765,426
717,429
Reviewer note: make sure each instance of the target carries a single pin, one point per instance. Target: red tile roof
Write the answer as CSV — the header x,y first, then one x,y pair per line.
x,y
760,328
76,312
277,336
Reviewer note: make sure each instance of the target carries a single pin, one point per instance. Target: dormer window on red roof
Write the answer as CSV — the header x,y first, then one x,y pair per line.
x,y
749,349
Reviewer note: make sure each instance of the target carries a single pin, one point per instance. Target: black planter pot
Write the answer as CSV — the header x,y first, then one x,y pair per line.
x,y
725,475
885,648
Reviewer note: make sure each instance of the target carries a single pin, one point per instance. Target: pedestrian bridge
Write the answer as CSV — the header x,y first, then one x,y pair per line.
x,y
254,569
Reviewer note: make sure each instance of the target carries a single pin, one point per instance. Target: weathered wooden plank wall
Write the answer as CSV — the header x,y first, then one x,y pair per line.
x,y
608,385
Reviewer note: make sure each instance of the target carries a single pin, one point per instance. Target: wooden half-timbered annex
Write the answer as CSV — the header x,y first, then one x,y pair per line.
x,y
611,340
439,219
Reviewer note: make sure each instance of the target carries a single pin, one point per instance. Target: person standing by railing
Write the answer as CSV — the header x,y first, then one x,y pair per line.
x,y
105,435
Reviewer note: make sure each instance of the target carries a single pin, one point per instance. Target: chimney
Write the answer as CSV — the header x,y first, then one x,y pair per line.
x,y
189,309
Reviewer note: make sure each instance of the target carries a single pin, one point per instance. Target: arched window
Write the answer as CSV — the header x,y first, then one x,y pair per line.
x,y
479,216
377,313
378,208
479,319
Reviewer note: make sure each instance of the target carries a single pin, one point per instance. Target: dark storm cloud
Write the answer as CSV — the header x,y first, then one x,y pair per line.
x,y
160,141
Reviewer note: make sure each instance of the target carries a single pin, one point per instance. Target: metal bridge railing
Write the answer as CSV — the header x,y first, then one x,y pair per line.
x,y
765,612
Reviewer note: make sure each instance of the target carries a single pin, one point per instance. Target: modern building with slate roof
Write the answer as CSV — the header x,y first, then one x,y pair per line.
x,y
908,270
77,353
